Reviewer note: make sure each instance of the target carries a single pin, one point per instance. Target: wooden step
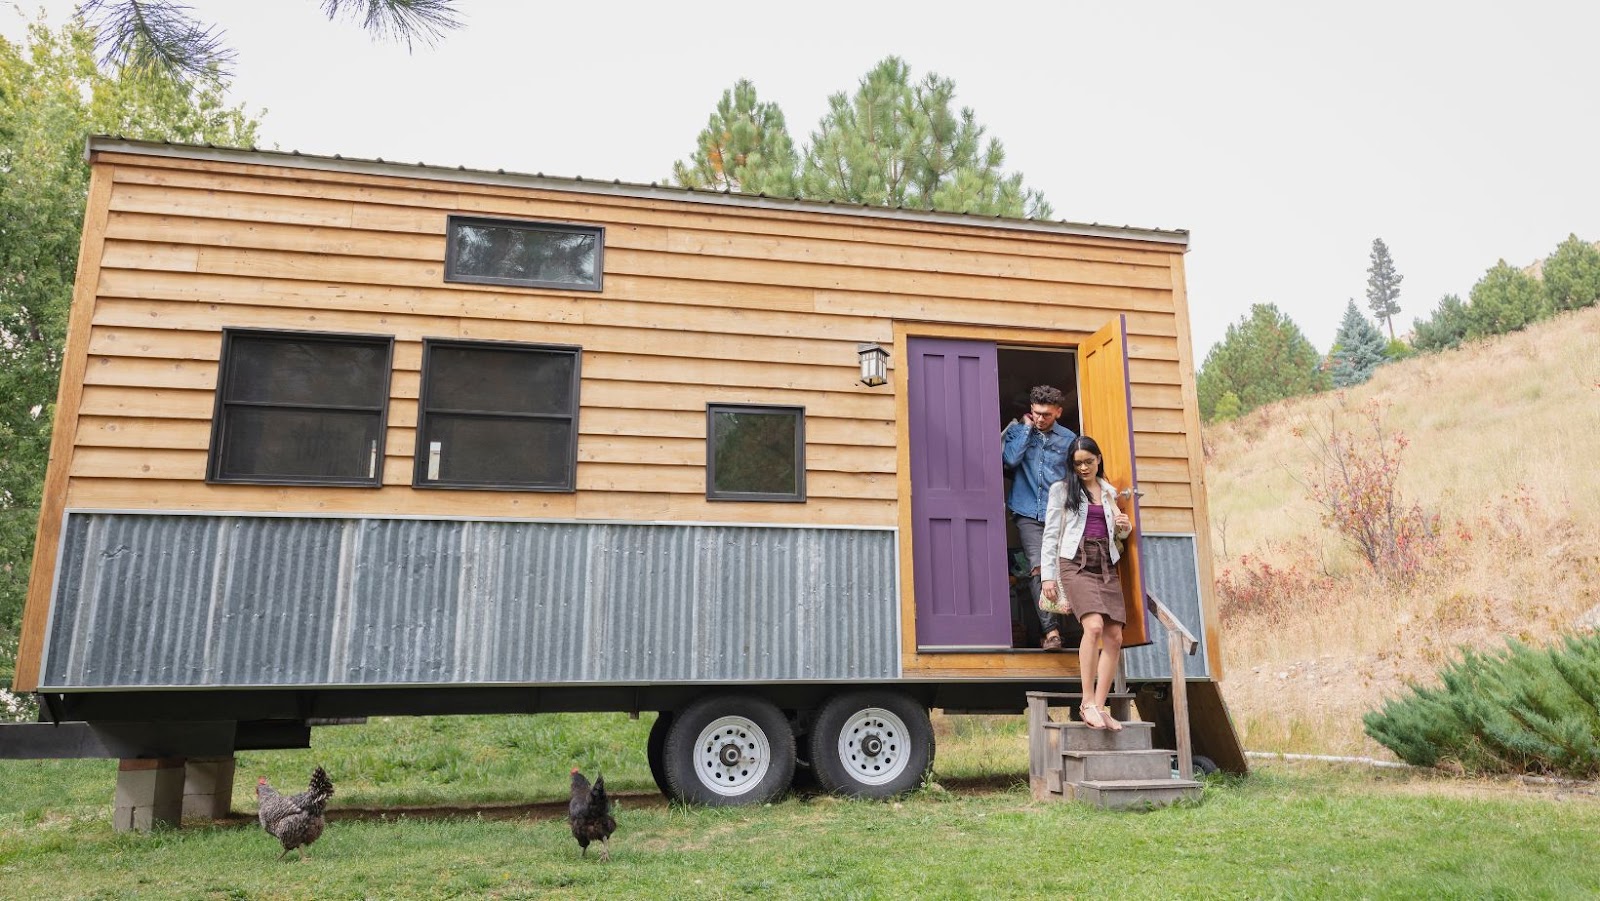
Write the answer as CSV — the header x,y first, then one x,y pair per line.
x,y
1136,735
1122,794
1080,766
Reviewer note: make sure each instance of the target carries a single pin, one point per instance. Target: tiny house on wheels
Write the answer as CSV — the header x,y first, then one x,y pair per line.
x,y
339,438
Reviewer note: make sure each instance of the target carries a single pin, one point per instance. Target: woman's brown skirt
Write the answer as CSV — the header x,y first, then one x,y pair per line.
x,y
1090,582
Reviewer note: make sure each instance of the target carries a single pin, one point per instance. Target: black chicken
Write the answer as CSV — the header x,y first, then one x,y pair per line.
x,y
295,820
589,813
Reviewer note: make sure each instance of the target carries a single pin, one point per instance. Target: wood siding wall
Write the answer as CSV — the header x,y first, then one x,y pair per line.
x,y
700,304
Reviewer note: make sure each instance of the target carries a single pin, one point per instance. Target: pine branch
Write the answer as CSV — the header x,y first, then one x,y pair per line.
x,y
156,34
401,21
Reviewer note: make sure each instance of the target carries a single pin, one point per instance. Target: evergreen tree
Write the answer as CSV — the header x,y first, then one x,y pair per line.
x,y
896,144
1444,329
1361,349
1505,300
1572,275
745,147
1263,357
52,95
1383,285
162,34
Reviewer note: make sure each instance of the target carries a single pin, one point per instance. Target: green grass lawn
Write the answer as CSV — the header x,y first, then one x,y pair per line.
x,y
1285,832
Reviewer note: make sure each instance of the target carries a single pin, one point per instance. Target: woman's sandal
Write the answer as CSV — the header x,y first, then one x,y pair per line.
x,y
1084,712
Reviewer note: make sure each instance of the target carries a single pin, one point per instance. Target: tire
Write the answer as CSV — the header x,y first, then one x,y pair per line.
x,y
1203,765
728,751
655,752
871,744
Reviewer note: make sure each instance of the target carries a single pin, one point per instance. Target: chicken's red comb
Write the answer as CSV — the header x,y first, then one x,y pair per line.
x,y
574,771
261,780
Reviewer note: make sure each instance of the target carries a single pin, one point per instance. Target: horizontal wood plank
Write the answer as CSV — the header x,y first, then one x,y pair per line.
x,y
188,496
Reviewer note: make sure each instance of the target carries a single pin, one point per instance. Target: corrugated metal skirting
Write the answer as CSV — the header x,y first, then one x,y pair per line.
x,y
157,600
1169,570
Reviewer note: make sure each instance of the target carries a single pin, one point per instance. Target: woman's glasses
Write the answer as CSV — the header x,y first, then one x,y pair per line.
x,y
1085,464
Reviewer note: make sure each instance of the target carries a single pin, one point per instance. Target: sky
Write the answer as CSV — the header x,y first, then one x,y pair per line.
x,y
1285,136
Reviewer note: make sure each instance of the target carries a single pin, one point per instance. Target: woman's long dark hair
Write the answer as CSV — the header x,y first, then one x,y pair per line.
x,y
1075,493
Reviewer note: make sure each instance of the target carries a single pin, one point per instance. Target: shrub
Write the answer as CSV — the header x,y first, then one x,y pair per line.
x,y
1519,710
1354,478
1254,588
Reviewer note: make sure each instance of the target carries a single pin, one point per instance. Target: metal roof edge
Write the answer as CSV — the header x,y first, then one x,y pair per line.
x,y
617,188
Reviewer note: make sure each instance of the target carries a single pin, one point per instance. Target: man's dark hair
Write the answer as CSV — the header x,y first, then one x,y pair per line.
x,y
1045,394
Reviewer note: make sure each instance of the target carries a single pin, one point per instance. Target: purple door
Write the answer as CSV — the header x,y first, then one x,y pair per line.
x,y
958,535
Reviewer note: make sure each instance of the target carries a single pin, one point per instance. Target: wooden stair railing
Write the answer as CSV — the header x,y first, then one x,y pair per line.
x,y
1180,643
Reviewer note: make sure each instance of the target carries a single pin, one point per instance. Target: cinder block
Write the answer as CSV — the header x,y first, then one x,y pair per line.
x,y
208,787
149,792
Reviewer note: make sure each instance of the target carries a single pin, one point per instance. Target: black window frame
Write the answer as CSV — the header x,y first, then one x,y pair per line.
x,y
799,413
221,407
419,470
450,274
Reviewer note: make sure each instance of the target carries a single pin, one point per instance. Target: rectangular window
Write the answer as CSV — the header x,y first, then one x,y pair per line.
x,y
498,416
755,453
300,408
532,254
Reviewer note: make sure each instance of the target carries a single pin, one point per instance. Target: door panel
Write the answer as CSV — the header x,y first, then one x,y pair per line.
x,y
957,507
1105,402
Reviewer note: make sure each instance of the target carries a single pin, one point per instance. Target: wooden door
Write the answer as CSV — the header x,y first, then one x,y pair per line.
x,y
958,535
1107,417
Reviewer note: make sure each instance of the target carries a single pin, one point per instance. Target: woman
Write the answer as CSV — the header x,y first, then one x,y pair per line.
x,y
1080,519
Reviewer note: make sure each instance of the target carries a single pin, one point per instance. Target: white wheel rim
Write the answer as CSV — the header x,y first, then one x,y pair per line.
x,y
731,756
874,746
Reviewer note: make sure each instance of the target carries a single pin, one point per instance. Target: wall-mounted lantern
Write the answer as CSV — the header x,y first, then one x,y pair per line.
x,y
874,365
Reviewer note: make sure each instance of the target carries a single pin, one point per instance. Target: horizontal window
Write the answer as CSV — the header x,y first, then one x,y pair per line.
x,y
300,408
497,415
533,254
755,453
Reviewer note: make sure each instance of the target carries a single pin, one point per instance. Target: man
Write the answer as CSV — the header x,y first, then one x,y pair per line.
x,y
1034,452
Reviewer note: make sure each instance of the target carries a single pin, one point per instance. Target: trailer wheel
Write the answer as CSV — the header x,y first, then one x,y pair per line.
x,y
1203,765
727,751
655,752
871,744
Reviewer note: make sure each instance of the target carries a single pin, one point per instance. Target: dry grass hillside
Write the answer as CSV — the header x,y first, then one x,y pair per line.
x,y
1504,444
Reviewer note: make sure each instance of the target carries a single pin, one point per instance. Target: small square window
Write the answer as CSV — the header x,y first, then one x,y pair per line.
x,y
755,453
498,416
300,408
531,254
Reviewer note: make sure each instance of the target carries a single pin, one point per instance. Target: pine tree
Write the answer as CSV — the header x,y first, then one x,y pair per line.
x,y
1383,285
1361,349
896,144
745,147
1572,275
1505,300
1444,329
1263,357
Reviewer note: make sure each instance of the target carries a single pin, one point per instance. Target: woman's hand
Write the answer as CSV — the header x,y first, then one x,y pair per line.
x,y
1050,590
1124,524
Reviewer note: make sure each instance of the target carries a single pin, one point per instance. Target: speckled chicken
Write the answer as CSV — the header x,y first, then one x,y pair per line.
x,y
295,820
589,813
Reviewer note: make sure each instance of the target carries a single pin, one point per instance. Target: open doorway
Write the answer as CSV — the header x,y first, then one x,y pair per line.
x,y
1020,369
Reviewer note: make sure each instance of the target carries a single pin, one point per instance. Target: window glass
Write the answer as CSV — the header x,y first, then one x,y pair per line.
x,y
300,408
496,415
500,451
755,453
286,371
508,381
517,253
